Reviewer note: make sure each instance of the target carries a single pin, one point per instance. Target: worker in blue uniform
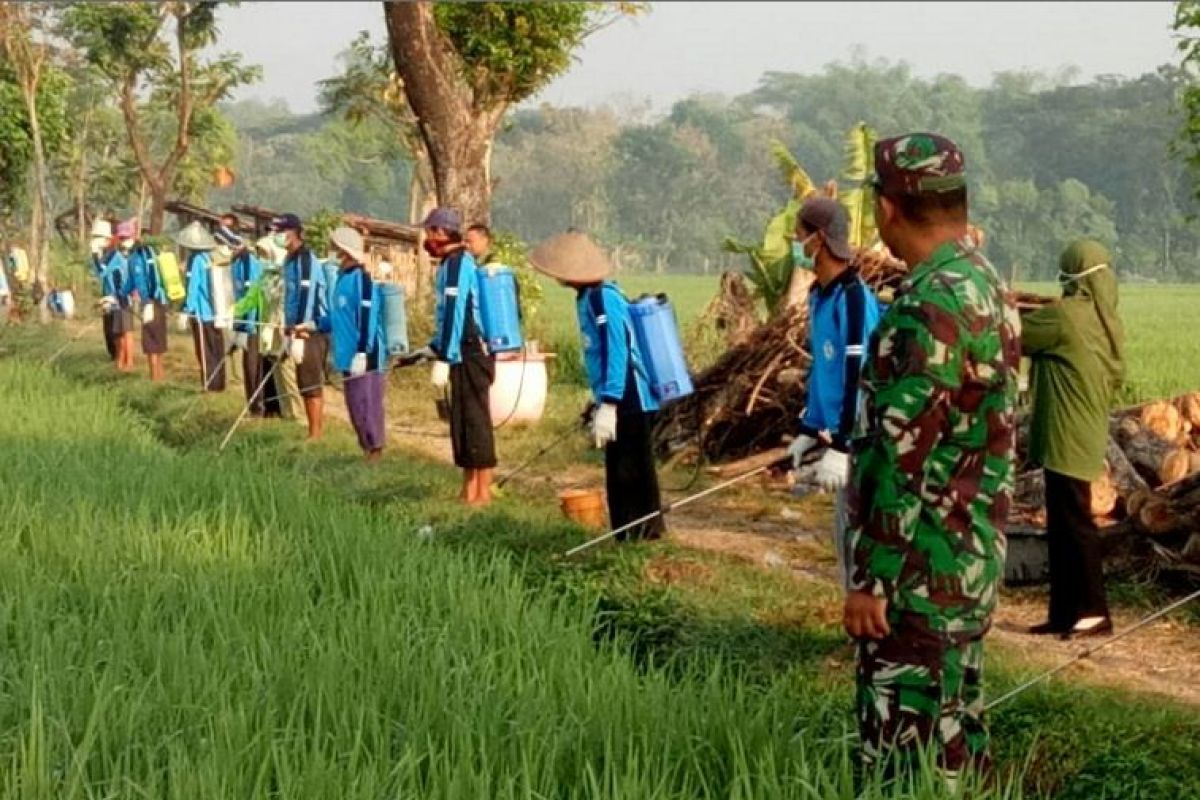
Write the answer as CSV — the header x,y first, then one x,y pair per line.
x,y
623,404
463,364
303,304
208,340
244,271
359,344
147,282
842,313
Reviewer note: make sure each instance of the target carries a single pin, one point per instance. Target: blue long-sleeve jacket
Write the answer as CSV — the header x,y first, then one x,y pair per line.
x,y
143,270
355,319
199,287
245,270
610,349
115,279
457,306
303,288
841,318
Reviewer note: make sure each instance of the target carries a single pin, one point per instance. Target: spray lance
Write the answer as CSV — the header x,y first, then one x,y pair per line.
x,y
669,507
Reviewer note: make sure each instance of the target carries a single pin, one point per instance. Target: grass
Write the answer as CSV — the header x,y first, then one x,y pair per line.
x,y
269,623
1162,347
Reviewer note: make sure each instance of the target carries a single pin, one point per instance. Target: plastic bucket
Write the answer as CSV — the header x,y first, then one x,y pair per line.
x,y
518,393
585,506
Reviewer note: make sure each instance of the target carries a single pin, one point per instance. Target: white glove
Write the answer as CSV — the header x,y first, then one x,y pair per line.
x,y
108,303
604,424
181,321
833,470
148,313
799,446
358,364
439,376
296,350
241,340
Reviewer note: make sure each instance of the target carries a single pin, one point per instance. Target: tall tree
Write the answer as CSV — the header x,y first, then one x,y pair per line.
x,y
1187,25
463,65
150,54
25,46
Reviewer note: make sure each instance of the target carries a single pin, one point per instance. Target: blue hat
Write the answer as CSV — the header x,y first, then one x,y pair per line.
x,y
445,218
227,237
286,222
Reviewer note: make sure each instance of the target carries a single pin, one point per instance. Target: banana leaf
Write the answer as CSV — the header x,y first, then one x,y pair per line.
x,y
777,238
856,196
802,185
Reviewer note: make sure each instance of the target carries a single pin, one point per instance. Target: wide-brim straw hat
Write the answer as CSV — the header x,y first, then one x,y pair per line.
x,y
195,237
350,242
571,257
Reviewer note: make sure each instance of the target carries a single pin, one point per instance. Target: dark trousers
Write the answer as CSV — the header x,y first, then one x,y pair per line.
x,y
471,435
253,370
629,476
1076,556
272,402
209,346
110,334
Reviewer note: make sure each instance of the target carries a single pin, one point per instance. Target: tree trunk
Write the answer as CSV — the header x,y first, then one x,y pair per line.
x,y
158,206
457,133
39,229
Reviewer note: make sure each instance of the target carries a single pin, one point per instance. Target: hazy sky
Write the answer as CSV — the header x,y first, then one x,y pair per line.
x,y
684,47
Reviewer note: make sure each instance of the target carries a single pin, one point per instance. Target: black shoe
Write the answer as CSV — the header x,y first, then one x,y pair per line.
x,y
1047,629
1104,628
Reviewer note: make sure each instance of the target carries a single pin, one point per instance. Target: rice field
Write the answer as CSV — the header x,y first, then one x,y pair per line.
x,y
175,626
1163,341
277,622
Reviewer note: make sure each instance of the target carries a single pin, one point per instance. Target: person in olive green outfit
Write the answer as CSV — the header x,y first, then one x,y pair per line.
x,y
1076,347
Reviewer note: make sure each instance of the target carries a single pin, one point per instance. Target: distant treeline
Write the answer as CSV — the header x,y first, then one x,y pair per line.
x,y
1049,160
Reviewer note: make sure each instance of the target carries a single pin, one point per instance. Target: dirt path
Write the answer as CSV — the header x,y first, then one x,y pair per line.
x,y
1162,659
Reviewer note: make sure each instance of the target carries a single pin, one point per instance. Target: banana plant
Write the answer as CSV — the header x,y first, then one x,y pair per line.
x,y
856,196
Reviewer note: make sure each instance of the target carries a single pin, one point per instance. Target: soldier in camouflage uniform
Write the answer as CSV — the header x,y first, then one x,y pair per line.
x,y
932,475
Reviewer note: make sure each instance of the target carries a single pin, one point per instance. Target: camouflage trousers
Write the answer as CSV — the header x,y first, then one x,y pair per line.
x,y
918,691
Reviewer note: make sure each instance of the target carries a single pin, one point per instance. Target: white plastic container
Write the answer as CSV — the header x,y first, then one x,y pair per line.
x,y
518,394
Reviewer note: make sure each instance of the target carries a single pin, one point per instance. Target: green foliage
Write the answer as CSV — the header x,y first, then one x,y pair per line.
x,y
318,227
509,51
16,153
1187,26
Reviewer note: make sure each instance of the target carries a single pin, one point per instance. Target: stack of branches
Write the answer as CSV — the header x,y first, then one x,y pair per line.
x,y
1148,500
748,401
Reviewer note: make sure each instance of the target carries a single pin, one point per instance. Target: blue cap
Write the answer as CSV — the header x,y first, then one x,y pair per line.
x,y
286,222
445,218
228,237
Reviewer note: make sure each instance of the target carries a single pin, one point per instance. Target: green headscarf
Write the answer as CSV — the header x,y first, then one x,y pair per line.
x,y
1090,299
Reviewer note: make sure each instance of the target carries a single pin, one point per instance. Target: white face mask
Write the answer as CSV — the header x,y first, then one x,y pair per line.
x,y
1068,277
126,245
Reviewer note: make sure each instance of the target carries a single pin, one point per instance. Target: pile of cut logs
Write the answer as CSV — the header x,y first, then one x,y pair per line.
x,y
1148,500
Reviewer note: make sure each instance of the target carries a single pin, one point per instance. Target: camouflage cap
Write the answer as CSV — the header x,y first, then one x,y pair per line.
x,y
918,163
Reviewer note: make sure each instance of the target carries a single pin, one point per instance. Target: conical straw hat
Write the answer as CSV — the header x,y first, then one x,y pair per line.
x,y
350,241
195,237
572,257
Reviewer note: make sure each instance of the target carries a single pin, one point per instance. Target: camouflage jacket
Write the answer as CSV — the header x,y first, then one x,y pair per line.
x,y
933,460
